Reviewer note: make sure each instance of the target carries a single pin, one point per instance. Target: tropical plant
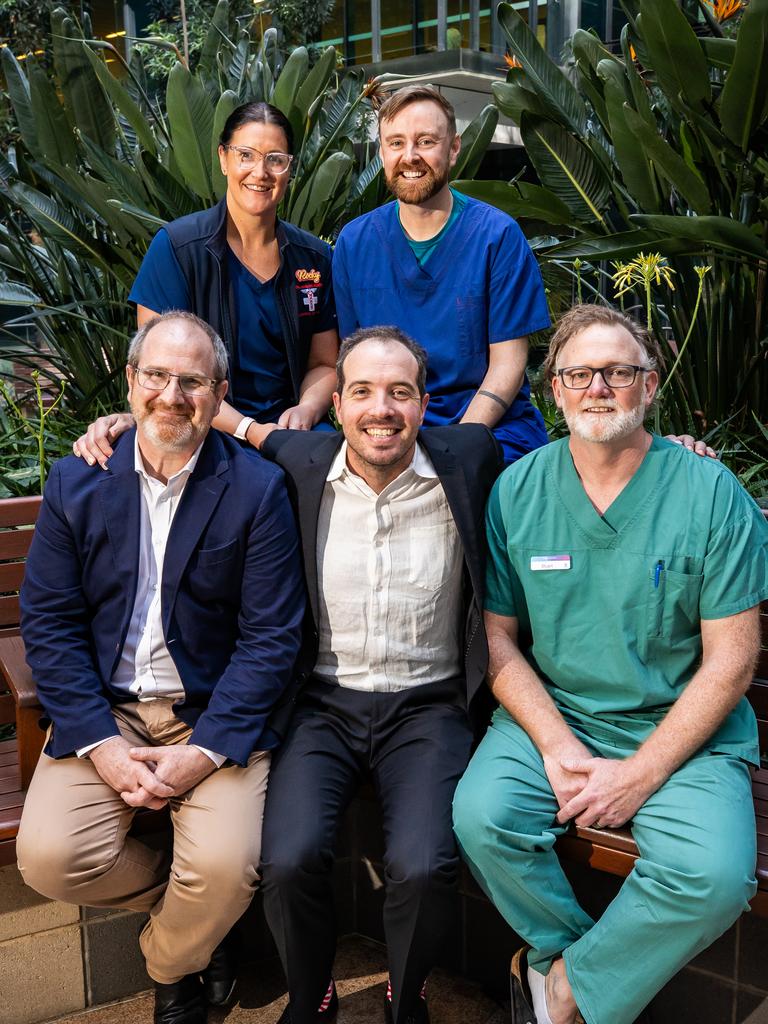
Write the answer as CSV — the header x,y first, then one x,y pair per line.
x,y
662,148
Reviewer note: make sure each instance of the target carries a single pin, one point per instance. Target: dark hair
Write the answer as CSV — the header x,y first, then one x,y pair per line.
x,y
388,336
585,315
255,113
219,351
409,94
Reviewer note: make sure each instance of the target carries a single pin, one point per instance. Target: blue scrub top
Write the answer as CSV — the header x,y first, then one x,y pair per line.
x,y
480,286
260,375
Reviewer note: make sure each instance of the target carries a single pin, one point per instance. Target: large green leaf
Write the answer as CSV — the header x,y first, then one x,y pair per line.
x,y
743,100
512,98
719,52
475,140
18,93
521,199
622,245
214,37
122,179
14,294
122,99
55,140
556,92
286,90
633,163
316,81
84,97
190,115
674,52
566,167
674,168
321,188
637,85
228,101
716,232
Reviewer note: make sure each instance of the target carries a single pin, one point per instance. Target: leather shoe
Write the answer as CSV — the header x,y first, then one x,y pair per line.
x,y
220,976
419,1014
325,1016
180,1003
520,993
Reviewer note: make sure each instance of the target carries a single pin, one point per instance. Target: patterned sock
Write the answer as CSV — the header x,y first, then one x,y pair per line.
x,y
422,994
327,997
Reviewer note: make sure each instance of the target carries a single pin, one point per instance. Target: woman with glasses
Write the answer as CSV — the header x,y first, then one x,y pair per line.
x,y
263,285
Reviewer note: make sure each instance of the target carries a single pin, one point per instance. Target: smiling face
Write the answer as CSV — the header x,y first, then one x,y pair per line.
x,y
168,420
380,410
418,151
256,191
600,414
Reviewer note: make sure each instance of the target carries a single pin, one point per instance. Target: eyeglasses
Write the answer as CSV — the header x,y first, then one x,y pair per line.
x,y
158,380
274,162
619,375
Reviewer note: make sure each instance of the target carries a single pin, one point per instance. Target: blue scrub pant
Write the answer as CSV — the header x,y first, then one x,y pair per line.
x,y
694,877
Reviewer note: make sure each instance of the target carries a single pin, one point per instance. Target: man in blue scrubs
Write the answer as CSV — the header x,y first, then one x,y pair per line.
x,y
453,272
622,597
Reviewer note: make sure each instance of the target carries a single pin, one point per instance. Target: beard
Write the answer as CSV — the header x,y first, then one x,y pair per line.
x,y
171,435
417,190
602,428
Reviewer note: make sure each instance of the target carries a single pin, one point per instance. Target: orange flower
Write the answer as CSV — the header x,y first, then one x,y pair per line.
x,y
724,9
512,62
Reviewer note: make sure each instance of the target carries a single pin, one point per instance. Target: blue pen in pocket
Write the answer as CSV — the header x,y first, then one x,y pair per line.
x,y
657,572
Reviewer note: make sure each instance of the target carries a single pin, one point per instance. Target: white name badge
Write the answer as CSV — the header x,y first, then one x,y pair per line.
x,y
541,563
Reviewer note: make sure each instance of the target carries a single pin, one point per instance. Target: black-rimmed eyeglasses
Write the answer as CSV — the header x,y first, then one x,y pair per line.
x,y
190,383
618,375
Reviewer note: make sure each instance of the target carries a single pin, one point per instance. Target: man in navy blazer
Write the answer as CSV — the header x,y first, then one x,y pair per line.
x,y
161,614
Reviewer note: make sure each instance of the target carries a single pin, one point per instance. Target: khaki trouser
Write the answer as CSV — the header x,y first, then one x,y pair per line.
x,y
73,846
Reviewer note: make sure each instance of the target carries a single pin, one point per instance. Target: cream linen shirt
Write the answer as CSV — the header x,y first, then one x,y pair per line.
x,y
146,669
389,569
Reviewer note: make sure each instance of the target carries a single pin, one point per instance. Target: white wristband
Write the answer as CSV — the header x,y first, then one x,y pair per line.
x,y
242,427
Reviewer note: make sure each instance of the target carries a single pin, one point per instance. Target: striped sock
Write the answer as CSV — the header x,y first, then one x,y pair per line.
x,y
422,994
327,998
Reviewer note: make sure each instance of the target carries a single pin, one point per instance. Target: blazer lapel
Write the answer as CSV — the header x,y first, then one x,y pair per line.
x,y
309,493
198,503
456,488
120,496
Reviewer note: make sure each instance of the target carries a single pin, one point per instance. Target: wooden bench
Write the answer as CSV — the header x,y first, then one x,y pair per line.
x,y
610,850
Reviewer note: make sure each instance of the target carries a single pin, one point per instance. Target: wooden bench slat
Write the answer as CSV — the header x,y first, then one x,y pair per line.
x,y
8,785
19,511
15,543
13,798
11,576
7,709
9,610
15,671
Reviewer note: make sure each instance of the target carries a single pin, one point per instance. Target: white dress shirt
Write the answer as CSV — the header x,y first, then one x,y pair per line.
x,y
146,669
389,569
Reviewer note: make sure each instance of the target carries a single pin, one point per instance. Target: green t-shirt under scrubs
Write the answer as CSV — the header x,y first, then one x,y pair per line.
x,y
609,605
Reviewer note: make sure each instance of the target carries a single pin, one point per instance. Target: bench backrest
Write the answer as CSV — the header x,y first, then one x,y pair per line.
x,y
17,517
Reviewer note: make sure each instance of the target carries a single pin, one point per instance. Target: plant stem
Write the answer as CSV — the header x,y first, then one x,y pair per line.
x,y
676,363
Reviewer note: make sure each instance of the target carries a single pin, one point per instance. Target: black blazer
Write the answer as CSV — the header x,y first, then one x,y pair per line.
x,y
467,459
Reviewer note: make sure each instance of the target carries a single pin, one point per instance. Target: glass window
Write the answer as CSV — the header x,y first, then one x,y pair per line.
x,y
397,35
359,48
426,25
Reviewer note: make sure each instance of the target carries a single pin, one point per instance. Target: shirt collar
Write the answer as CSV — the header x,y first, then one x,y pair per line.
x,y
421,464
138,462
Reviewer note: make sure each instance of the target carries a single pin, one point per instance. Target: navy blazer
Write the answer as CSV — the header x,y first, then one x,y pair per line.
x,y
467,459
232,596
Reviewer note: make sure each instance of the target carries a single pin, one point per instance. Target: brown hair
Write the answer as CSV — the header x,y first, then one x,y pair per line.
x,y
578,318
387,335
409,94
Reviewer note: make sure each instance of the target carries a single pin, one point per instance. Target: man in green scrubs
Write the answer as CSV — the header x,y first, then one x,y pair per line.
x,y
621,608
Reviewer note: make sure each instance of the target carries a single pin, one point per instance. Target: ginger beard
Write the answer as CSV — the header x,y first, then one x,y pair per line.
x,y
417,190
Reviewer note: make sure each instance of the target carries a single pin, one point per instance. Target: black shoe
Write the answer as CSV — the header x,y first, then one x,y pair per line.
x,y
220,976
419,1014
325,1016
180,1003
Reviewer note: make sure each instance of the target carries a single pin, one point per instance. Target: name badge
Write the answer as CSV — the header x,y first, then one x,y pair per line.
x,y
542,563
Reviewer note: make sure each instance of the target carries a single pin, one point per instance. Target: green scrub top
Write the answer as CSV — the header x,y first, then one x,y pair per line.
x,y
609,607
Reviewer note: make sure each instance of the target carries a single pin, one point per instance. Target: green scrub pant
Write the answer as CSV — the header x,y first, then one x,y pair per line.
x,y
694,877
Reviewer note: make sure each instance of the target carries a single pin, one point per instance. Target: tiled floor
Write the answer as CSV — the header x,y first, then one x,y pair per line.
x,y
361,980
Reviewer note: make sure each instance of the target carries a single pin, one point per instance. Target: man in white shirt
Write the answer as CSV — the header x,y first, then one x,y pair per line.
x,y
391,524
161,615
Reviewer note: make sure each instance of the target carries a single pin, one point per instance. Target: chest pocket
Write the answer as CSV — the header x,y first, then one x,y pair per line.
x,y
432,555
673,605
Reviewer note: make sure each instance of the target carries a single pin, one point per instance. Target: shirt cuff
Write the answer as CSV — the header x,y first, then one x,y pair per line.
x,y
218,759
84,751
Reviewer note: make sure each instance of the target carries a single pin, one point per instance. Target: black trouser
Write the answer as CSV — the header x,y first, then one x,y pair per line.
x,y
415,744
